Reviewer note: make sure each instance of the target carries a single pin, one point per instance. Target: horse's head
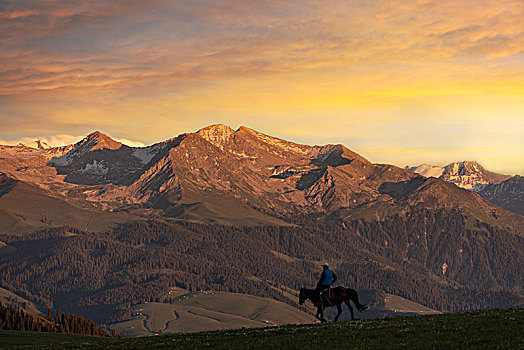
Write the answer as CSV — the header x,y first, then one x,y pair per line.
x,y
302,296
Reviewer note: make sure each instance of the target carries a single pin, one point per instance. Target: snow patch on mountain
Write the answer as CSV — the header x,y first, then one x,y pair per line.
x,y
427,170
97,168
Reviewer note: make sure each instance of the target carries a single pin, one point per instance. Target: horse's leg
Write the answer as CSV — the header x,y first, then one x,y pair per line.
x,y
320,315
317,315
339,307
321,312
350,309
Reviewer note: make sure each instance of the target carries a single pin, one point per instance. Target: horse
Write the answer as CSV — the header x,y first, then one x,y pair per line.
x,y
338,295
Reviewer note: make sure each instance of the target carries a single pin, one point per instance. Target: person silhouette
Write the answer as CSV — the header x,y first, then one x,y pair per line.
x,y
327,278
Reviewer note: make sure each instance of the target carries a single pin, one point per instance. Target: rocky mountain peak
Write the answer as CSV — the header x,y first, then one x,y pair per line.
x,y
470,175
466,167
467,174
97,140
217,134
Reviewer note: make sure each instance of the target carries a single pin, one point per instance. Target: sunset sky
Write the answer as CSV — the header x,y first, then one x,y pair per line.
x,y
401,82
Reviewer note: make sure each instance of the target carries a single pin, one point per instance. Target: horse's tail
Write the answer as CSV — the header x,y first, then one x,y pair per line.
x,y
353,295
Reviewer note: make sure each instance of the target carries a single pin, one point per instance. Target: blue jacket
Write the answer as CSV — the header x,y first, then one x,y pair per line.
x,y
327,278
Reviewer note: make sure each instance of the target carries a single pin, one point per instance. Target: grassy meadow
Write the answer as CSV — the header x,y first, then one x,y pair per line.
x,y
492,329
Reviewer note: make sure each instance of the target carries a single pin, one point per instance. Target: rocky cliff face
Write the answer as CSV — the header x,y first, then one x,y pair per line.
x,y
470,175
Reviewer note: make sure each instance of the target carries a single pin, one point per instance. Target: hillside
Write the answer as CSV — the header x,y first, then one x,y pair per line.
x,y
16,319
508,194
382,306
502,190
475,330
204,311
101,275
8,298
26,208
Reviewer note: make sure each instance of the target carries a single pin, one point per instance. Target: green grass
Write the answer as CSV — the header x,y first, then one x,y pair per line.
x,y
42,340
491,329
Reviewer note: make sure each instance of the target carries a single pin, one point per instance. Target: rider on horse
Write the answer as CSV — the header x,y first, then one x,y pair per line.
x,y
338,295
327,278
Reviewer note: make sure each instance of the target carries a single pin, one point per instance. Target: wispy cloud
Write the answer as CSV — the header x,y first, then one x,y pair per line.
x,y
56,140
131,143
158,68
93,45
62,140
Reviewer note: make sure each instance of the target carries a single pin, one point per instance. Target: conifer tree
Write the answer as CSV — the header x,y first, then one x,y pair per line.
x,y
57,317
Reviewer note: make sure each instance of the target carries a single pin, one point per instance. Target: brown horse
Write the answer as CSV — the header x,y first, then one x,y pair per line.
x,y
338,296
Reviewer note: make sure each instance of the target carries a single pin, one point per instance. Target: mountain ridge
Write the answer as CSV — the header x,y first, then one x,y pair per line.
x,y
244,169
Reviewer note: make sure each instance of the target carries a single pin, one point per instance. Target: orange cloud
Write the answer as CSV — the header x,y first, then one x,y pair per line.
x,y
162,67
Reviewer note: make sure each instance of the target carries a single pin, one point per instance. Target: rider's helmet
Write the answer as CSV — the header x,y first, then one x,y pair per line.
x,y
325,264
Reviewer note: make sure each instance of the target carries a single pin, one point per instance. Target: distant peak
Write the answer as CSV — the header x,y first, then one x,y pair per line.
x,y
97,134
37,144
97,140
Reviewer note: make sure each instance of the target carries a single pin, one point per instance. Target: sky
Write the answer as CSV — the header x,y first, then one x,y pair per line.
x,y
400,82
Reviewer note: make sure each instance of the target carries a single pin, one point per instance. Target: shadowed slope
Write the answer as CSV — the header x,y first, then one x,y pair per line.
x,y
24,208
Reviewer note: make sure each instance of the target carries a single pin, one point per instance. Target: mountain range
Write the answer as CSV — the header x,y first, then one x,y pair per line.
x,y
502,190
221,175
97,226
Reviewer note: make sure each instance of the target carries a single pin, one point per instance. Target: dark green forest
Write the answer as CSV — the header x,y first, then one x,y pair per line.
x,y
100,275
14,318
